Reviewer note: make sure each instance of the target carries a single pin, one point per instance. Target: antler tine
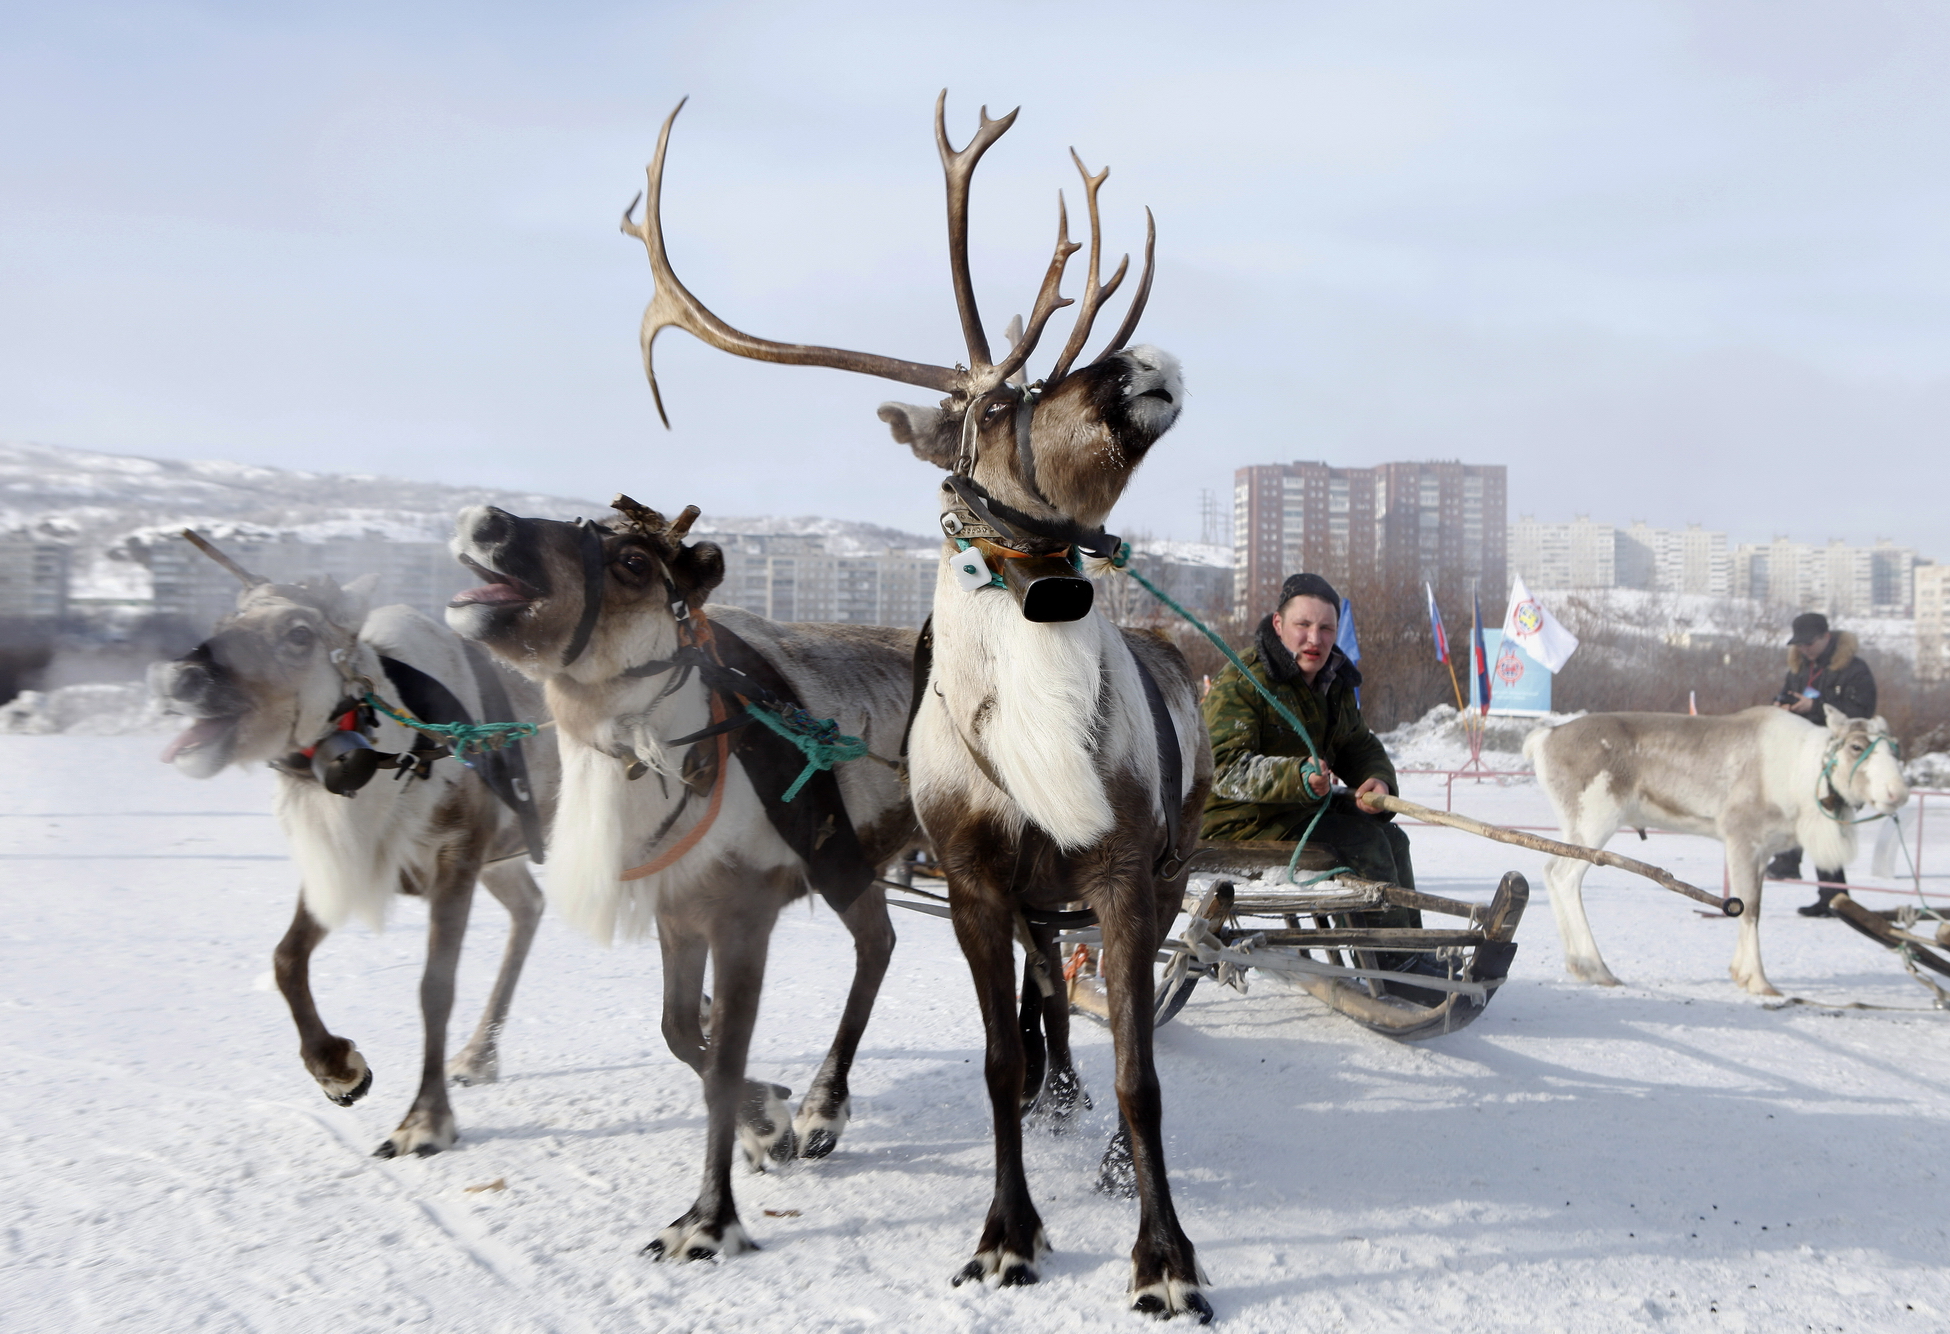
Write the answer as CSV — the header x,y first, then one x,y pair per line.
x,y
209,548
1130,324
674,305
1048,301
959,168
681,525
1093,295
1014,335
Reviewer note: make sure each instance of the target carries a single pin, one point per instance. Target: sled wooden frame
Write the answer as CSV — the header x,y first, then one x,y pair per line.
x,y
1333,961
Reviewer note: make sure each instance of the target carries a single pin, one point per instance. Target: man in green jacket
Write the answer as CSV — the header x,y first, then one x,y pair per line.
x,y
1264,782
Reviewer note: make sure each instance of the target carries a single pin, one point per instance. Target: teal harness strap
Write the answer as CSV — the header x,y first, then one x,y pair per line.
x,y
462,738
1827,776
1121,561
818,739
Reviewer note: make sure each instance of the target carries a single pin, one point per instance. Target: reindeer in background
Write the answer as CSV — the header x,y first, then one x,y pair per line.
x,y
670,817
1054,758
278,683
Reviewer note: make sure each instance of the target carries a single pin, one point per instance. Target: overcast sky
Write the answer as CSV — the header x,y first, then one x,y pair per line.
x,y
1683,263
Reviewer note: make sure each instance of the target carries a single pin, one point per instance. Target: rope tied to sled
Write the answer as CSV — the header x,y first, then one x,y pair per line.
x,y
1121,562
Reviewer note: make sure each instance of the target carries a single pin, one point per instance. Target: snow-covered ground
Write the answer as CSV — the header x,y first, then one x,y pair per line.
x,y
1671,1154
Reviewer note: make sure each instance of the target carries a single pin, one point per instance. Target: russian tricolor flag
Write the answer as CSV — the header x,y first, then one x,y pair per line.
x,y
1435,627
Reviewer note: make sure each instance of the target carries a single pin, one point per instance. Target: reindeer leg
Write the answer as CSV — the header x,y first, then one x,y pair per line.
x,y
828,1104
479,1062
1564,878
1012,1238
685,951
333,1061
1744,871
1062,1089
429,1123
1029,1022
710,1227
1165,1275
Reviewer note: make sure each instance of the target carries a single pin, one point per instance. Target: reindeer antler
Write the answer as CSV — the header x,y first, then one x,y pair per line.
x,y
674,305
209,548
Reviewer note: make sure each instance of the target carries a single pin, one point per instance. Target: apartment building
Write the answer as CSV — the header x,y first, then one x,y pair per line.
x,y
1932,591
33,578
1836,579
1434,521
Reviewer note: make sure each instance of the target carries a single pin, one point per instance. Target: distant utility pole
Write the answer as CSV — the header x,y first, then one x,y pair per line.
x,y
1209,531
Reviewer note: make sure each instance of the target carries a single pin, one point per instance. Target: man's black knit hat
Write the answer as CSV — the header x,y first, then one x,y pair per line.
x,y
1309,586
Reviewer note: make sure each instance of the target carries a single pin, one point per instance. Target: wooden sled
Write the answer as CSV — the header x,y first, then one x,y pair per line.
x,y
1242,916
1898,930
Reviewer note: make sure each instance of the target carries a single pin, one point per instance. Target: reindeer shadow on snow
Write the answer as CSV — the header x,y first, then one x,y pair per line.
x,y
282,682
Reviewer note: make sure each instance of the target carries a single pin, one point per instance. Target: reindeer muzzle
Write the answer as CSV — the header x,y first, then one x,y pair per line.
x,y
344,762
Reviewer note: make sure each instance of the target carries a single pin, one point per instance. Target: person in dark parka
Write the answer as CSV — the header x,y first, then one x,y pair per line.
x,y
1824,669
1263,786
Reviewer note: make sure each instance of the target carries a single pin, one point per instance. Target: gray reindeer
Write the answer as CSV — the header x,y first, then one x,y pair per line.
x,y
680,808
280,683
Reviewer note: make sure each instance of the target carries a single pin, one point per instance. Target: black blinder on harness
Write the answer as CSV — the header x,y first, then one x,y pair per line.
x,y
593,568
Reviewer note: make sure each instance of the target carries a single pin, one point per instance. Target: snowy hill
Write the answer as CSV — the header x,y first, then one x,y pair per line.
x,y
103,504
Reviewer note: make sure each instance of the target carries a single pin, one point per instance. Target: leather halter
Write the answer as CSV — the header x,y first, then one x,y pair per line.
x,y
593,567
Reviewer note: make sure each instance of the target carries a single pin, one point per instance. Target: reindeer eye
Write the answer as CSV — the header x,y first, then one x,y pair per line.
x,y
636,562
994,412
299,637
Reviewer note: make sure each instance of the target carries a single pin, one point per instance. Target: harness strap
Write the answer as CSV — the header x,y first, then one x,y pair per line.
x,y
592,590
1171,769
923,667
697,832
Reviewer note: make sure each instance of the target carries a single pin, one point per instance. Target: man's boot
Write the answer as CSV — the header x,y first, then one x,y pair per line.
x,y
1832,883
1785,866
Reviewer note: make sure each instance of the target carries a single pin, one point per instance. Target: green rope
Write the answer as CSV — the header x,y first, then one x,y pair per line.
x,y
462,738
1121,561
818,739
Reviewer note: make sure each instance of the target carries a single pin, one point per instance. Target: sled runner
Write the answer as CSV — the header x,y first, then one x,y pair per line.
x,y
1242,914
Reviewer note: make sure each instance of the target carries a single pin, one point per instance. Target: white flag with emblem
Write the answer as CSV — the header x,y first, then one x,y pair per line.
x,y
1529,625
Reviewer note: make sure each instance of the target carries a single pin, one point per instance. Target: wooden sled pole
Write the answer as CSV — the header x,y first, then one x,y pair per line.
x,y
1732,907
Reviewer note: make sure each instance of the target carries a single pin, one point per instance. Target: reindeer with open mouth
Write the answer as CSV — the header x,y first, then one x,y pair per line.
x,y
682,808
1054,758
283,682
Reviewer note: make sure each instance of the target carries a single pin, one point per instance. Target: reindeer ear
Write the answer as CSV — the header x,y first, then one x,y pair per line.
x,y
1837,720
934,435
698,569
356,598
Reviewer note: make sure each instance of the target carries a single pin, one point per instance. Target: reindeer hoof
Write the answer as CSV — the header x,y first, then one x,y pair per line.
x,y
688,1239
1007,1268
819,1132
1117,1174
765,1126
349,1081
471,1068
1169,1297
421,1134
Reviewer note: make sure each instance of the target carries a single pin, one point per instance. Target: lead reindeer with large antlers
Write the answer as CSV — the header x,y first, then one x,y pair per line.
x,y
1054,758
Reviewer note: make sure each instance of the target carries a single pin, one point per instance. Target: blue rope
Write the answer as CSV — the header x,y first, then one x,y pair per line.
x,y
463,738
1121,561
818,739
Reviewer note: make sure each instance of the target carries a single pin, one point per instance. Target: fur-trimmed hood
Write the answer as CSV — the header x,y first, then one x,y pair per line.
x,y
1840,654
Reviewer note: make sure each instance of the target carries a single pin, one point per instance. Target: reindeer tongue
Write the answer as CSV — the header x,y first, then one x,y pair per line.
x,y
199,733
488,594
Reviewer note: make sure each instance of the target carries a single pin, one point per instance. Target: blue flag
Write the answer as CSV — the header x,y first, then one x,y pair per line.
x,y
1479,654
1346,642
